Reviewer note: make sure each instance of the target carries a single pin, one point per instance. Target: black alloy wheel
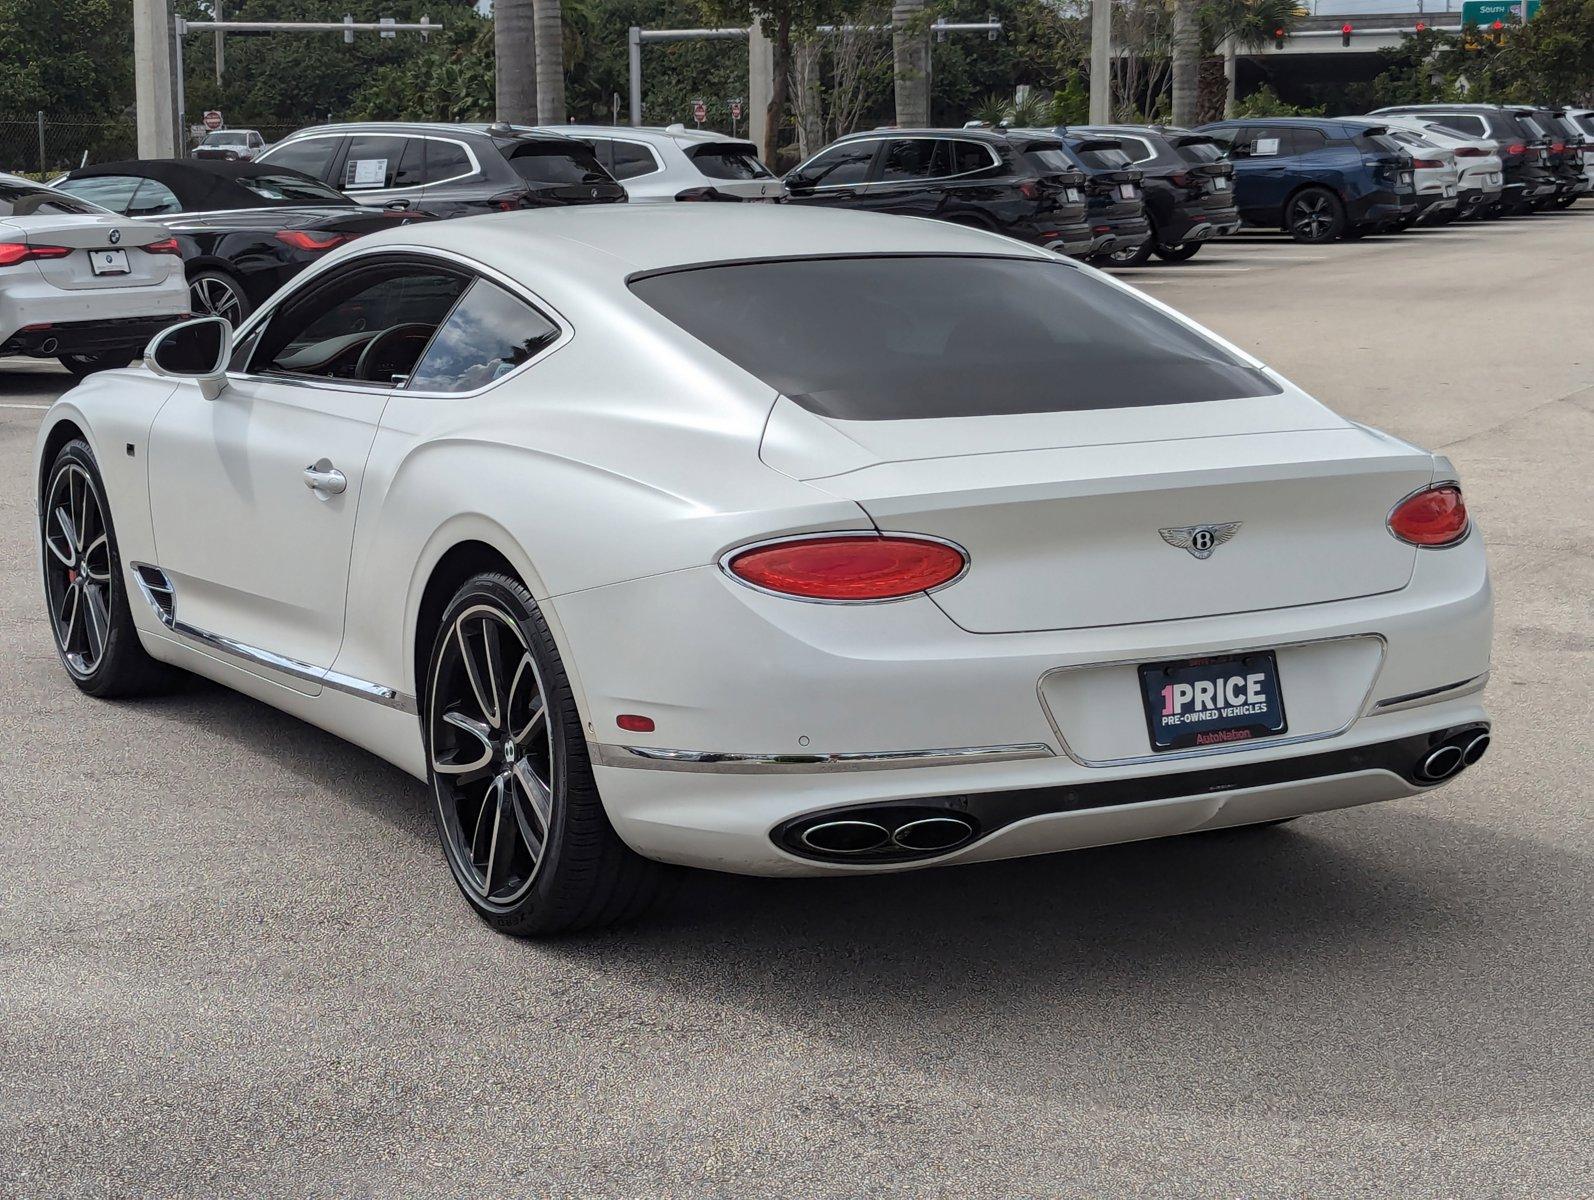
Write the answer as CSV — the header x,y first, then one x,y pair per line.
x,y
1132,257
515,801
217,294
89,616
1183,252
1314,215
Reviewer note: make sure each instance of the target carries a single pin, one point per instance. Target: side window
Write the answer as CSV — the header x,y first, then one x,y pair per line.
x,y
411,169
152,198
444,160
114,192
1137,150
256,141
313,156
372,162
1304,141
840,165
968,157
906,159
369,323
489,334
630,160
1263,143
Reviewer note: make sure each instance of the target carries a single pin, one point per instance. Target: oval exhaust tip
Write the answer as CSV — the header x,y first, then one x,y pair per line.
x,y
1441,763
933,833
1475,749
845,837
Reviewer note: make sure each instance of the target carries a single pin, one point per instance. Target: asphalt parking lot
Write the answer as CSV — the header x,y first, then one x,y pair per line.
x,y
232,960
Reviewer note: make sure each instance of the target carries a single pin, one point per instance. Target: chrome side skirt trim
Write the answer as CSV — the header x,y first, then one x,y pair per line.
x,y
152,581
726,763
1449,691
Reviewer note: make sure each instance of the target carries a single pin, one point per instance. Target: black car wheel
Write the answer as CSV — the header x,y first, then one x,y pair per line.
x,y
1131,257
515,801
1566,201
1183,252
89,617
86,364
217,294
1314,215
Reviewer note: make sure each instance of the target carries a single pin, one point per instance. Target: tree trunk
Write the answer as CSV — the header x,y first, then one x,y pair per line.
x,y
1186,60
805,78
515,65
779,90
549,24
1231,68
910,52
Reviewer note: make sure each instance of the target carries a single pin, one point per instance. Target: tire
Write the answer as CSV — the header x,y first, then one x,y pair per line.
x,y
1314,215
516,806
1566,201
214,293
85,595
1131,258
1183,252
86,364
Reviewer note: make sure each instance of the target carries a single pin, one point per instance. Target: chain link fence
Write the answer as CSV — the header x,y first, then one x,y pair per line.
x,y
43,145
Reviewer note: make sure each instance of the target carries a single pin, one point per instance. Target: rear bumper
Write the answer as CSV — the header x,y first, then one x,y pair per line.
x,y
1118,233
865,713
1433,205
30,300
1198,223
85,337
1382,208
1073,240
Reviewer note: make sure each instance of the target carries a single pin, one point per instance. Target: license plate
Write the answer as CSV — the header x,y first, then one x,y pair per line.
x,y
108,262
1220,185
1449,191
1073,195
1494,177
1200,702
1126,190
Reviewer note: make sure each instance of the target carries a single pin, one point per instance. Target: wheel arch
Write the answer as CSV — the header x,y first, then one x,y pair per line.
x,y
65,429
458,563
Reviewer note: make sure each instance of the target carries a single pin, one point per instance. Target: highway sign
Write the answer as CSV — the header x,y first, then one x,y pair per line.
x,y
1484,13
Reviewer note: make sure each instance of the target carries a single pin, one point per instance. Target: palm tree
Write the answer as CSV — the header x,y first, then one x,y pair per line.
x,y
514,58
1186,60
910,52
1244,25
548,20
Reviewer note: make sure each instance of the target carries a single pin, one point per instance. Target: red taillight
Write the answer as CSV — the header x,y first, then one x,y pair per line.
x,y
634,723
1557,147
1180,179
1426,164
311,239
1516,148
12,253
169,246
856,567
1435,516
1468,152
1027,189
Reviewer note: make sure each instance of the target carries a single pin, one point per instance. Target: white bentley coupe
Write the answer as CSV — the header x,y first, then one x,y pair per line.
x,y
767,540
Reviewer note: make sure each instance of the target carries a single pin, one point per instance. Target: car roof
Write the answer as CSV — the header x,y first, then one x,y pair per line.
x,y
678,134
993,136
601,245
497,131
202,184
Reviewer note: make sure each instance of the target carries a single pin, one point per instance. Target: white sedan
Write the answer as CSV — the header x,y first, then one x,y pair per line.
x,y
772,541
79,283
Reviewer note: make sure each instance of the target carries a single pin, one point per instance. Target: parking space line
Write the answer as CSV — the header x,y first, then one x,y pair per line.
x,y
35,407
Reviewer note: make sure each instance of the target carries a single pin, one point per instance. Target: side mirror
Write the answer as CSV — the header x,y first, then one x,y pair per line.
x,y
796,181
197,350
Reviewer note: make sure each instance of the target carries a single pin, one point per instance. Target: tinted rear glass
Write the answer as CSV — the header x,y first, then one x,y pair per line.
x,y
1049,160
558,164
24,200
729,162
881,339
1104,160
1200,152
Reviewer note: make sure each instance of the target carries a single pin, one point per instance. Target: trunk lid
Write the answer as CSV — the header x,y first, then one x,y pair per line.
x,y
86,234
1076,519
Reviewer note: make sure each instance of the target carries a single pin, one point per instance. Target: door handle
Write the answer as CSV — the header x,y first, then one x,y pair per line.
x,y
322,477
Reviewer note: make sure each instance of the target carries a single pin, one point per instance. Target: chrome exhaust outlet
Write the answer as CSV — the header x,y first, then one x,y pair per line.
x,y
846,837
48,346
1475,749
1441,763
933,833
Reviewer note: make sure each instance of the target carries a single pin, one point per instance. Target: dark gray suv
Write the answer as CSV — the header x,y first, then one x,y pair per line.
x,y
448,170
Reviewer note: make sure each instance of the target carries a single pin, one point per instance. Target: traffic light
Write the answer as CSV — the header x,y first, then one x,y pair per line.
x,y
1420,27
1344,34
1497,31
1278,39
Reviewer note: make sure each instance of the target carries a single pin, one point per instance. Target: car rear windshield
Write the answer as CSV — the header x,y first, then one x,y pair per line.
x,y
903,338
1200,152
292,189
729,162
557,163
1379,141
24,200
1108,159
1048,160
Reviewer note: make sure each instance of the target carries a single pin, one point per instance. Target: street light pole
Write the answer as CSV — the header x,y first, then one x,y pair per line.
x,y
1101,62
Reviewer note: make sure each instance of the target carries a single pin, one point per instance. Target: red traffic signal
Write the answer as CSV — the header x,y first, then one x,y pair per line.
x,y
1344,34
1498,26
1278,39
1421,27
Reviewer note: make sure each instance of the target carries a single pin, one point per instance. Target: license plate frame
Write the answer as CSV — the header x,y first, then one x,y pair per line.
x,y
1238,683
1126,191
109,262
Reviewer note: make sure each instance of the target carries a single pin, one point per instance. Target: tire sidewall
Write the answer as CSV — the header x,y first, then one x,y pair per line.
x,y
1336,226
78,452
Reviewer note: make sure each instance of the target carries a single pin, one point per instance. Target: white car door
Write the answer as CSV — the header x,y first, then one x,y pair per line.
x,y
254,495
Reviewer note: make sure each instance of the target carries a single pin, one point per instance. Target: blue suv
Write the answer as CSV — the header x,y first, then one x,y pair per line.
x,y
1318,179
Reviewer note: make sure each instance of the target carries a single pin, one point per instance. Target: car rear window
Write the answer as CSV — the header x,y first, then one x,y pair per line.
x,y
1107,159
23,200
1048,160
874,338
1200,152
557,163
729,162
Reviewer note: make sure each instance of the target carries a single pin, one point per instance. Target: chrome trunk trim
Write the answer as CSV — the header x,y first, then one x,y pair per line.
x,y
726,763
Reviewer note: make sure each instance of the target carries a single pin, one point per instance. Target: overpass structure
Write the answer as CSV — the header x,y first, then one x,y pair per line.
x,y
1380,24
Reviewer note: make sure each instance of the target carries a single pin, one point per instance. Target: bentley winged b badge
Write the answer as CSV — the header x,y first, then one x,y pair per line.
x,y
1201,540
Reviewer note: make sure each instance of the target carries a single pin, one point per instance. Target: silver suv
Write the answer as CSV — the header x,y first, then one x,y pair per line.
x,y
677,163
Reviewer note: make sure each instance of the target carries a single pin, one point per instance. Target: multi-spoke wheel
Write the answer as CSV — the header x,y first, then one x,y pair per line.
x,y
214,294
1314,214
89,616
516,806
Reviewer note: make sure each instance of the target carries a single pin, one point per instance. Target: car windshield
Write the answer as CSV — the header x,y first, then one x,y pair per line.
x,y
898,338
292,189
557,163
228,138
27,200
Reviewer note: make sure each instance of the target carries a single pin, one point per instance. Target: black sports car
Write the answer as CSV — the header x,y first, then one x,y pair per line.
x,y
244,228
